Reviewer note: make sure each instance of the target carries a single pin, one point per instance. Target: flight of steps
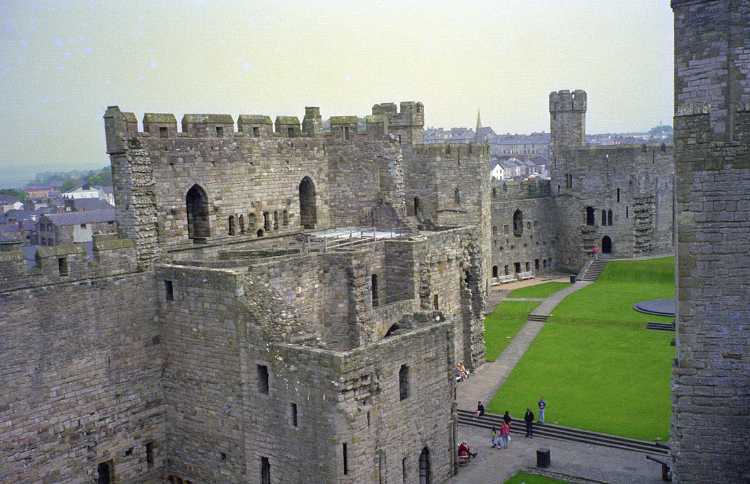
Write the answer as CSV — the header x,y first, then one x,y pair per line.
x,y
592,270
489,421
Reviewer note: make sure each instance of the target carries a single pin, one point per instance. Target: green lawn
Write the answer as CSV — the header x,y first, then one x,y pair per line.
x,y
507,318
544,290
594,362
502,325
526,478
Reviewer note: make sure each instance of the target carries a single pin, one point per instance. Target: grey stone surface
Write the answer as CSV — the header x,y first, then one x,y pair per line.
x,y
569,460
711,375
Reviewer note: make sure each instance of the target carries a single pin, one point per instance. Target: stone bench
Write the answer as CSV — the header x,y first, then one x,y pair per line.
x,y
503,279
522,276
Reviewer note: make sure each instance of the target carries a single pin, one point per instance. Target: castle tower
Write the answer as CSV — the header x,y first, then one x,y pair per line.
x,y
711,372
567,121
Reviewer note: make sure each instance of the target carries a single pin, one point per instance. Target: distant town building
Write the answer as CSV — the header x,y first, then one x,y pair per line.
x,y
69,227
9,202
38,191
86,191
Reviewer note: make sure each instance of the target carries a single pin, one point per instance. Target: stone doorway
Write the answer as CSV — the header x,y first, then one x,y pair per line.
x,y
424,467
196,202
606,245
307,209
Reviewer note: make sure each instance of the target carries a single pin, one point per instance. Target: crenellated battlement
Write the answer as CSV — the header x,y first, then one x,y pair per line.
x,y
66,262
453,150
566,101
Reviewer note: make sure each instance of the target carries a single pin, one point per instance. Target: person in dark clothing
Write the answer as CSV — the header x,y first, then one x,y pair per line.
x,y
480,409
529,419
507,418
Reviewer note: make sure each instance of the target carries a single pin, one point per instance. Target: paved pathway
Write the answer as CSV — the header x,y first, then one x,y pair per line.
x,y
485,381
588,463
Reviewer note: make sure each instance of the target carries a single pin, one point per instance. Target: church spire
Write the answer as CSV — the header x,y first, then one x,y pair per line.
x,y
477,137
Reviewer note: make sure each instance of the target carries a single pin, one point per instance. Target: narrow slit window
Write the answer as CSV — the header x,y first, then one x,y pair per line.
x,y
293,414
263,386
220,131
169,290
346,458
403,382
265,471
150,454
62,266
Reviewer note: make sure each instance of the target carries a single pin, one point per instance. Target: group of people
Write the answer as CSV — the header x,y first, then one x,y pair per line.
x,y
500,439
461,372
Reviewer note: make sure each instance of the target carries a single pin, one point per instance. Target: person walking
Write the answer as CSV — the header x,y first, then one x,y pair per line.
x,y
529,419
504,435
595,252
542,405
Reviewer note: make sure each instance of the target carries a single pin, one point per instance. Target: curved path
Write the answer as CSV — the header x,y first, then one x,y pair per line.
x,y
488,378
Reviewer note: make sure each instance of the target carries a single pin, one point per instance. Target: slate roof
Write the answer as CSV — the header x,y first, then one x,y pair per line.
x,y
77,218
86,204
8,199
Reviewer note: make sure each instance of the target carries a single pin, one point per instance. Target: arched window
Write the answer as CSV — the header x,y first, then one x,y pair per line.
x,y
232,229
403,382
604,217
518,223
457,196
590,216
494,230
242,223
307,209
424,467
609,217
251,220
494,271
196,202
374,290
417,208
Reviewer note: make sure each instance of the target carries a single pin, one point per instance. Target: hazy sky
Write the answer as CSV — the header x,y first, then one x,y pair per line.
x,y
63,61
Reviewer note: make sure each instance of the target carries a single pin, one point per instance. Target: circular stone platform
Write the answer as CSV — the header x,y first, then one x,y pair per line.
x,y
659,307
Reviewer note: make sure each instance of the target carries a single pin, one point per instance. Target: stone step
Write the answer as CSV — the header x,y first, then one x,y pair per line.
x,y
489,421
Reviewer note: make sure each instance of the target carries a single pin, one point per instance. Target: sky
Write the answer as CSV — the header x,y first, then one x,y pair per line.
x,y
62,62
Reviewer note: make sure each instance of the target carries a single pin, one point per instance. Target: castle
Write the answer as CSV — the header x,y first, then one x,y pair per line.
x,y
286,304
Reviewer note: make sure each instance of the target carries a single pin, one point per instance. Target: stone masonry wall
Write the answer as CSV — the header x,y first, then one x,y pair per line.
x,y
536,249
81,373
711,375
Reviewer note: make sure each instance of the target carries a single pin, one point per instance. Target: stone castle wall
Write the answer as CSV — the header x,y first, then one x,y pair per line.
x,y
536,247
634,183
81,373
711,375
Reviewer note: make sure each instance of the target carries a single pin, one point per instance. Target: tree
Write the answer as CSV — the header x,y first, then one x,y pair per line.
x,y
19,194
69,184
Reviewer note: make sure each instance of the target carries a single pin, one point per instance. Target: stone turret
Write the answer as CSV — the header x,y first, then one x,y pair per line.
x,y
567,120
312,123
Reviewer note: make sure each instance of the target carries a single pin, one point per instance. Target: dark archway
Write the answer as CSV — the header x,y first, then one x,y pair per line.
x,y
417,208
518,223
196,202
494,271
590,216
424,467
307,208
606,245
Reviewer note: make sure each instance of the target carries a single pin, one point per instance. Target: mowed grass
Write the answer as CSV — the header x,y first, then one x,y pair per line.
x,y
526,478
595,364
502,325
506,319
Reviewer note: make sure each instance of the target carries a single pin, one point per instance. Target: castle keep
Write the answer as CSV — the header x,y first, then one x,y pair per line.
x,y
282,304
